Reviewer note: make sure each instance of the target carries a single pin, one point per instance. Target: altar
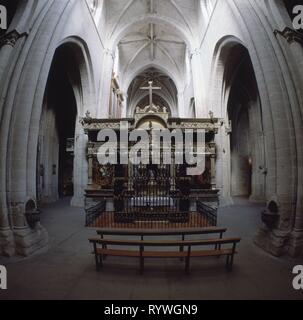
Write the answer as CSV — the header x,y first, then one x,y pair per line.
x,y
152,202
123,194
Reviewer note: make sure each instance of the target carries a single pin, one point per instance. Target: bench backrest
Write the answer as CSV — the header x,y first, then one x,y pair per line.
x,y
156,233
143,243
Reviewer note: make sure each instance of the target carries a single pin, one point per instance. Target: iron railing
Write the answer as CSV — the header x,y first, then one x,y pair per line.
x,y
208,213
94,213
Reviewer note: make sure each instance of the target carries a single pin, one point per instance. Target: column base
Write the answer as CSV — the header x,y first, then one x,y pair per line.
x,y
274,242
296,244
225,201
7,242
257,199
28,241
77,202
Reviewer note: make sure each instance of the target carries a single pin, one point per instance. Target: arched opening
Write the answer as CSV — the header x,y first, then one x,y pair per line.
x,y
165,98
241,163
55,161
11,7
241,166
244,114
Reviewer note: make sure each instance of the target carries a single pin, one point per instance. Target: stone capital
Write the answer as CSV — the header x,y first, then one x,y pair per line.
x,y
11,38
290,35
195,52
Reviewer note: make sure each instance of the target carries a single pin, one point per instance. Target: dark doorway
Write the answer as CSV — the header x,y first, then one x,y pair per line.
x,y
61,104
244,112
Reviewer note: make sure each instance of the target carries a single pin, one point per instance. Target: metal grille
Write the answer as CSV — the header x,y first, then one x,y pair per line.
x,y
152,194
209,213
152,198
95,212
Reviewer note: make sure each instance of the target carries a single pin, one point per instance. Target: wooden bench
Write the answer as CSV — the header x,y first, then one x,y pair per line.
x,y
157,233
143,233
141,253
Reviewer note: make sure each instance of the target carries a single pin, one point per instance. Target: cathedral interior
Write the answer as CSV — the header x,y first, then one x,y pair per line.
x,y
70,69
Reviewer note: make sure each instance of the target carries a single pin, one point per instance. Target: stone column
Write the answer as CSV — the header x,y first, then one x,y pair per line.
x,y
80,167
90,169
294,44
223,169
7,246
108,64
196,64
213,171
181,105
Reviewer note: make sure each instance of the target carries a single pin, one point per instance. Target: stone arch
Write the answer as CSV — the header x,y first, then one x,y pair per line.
x,y
136,22
142,97
84,92
155,65
165,94
238,101
23,141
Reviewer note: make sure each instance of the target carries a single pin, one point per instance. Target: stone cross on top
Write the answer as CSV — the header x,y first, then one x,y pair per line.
x,y
151,88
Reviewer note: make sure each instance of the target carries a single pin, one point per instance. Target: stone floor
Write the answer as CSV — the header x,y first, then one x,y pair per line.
x,y
66,269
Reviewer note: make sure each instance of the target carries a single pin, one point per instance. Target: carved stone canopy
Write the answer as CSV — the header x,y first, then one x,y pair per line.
x,y
151,109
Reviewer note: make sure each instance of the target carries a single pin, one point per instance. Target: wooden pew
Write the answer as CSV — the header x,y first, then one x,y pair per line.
x,y
143,233
141,253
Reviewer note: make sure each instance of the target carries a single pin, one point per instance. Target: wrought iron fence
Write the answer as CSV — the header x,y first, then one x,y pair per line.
x,y
208,213
153,199
94,213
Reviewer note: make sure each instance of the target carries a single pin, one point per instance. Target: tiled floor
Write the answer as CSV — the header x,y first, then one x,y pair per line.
x,y
66,269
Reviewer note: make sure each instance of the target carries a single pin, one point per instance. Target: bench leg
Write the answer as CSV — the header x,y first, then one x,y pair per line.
x,y
227,262
141,265
97,262
187,265
101,258
187,261
181,251
104,247
182,247
231,262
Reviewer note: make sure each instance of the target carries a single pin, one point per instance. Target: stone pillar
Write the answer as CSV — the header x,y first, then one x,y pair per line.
x,y
181,105
7,246
196,64
108,64
213,171
223,169
80,167
295,45
90,169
